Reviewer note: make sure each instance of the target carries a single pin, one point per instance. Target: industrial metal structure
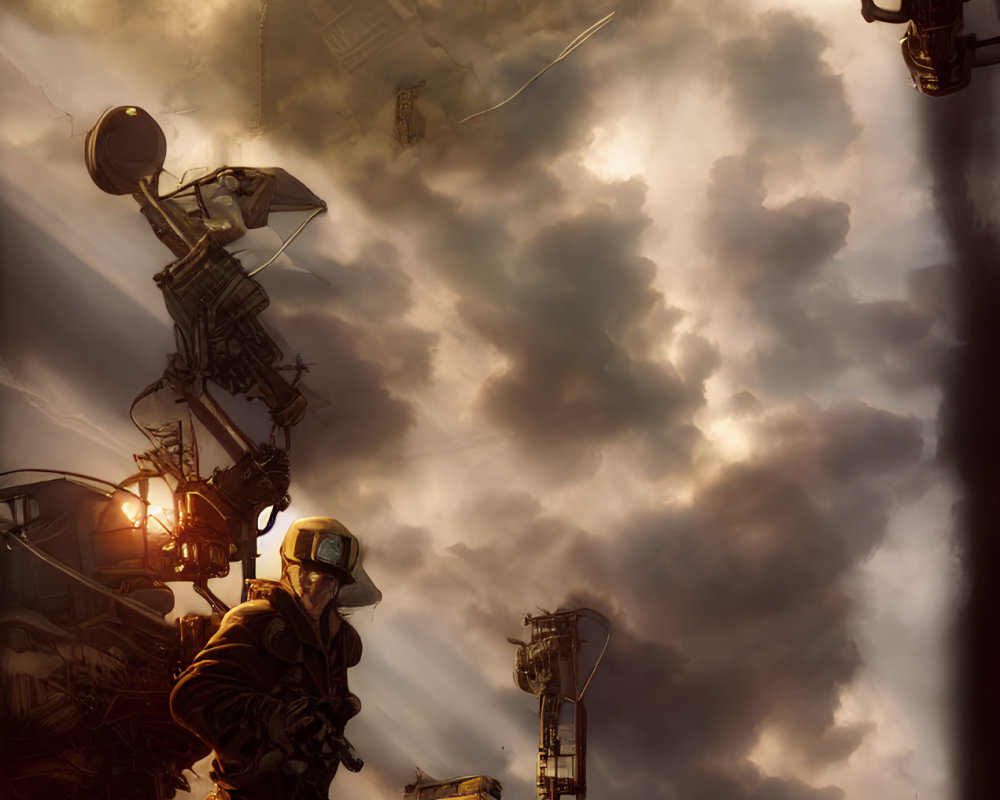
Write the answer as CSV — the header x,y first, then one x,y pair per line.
x,y
87,656
553,665
938,53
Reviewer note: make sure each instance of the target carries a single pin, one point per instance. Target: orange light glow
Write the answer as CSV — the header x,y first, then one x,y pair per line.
x,y
133,509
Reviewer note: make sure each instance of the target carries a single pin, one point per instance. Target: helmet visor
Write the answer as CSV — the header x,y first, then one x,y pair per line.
x,y
325,549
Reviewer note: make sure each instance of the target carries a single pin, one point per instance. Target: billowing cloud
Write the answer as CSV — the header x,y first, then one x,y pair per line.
x,y
580,294
776,261
759,563
784,91
518,368
767,250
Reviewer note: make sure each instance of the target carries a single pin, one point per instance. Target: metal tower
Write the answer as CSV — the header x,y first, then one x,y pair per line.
x,y
554,666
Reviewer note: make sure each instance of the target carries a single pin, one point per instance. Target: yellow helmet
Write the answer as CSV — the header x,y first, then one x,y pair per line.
x,y
325,544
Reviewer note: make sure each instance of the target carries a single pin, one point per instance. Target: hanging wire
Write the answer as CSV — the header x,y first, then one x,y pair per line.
x,y
579,40
68,474
597,616
288,241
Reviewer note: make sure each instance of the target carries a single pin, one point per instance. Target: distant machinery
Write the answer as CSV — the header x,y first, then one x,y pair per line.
x,y
410,126
354,31
938,54
553,665
471,787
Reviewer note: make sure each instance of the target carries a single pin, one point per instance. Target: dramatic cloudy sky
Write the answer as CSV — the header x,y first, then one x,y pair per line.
x,y
663,336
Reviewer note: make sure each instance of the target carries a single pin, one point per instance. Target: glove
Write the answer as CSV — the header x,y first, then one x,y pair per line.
x,y
301,721
311,729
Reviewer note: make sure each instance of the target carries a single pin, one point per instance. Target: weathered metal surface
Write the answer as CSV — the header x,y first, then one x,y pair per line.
x,y
470,787
551,665
936,50
87,658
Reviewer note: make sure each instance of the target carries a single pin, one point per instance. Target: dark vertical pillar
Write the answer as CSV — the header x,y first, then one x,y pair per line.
x,y
961,146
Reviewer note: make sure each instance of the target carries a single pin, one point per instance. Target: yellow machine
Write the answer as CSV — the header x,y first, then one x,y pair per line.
x,y
471,787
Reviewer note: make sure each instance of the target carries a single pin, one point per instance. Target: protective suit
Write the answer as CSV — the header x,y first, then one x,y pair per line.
x,y
269,691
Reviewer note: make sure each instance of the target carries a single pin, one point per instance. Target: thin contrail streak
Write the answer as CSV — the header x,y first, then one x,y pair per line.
x,y
579,40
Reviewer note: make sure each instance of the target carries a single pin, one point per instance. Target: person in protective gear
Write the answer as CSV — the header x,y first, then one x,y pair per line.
x,y
269,691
